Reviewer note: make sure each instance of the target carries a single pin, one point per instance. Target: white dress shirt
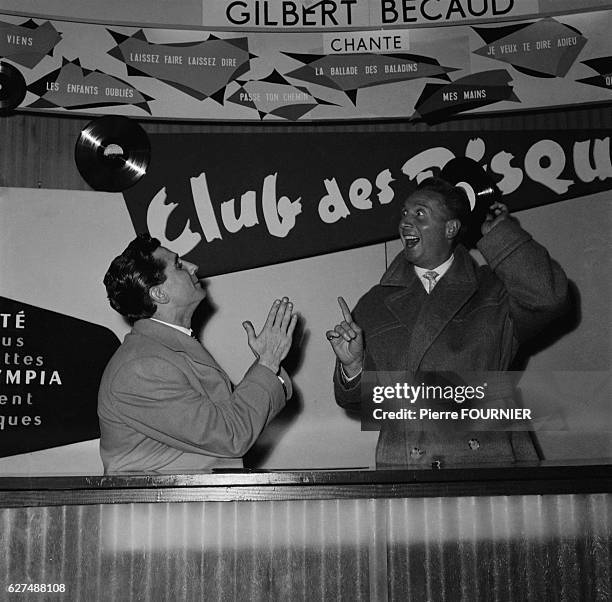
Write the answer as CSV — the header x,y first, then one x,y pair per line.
x,y
182,329
440,270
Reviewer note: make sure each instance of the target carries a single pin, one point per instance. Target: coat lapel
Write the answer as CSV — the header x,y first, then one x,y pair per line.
x,y
428,319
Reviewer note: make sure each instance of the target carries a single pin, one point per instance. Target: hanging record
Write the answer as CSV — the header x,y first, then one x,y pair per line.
x,y
480,189
112,153
12,88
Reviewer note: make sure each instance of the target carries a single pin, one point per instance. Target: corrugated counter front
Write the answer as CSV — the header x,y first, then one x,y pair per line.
x,y
541,532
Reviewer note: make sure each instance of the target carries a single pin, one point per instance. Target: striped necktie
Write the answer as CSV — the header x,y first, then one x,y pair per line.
x,y
431,280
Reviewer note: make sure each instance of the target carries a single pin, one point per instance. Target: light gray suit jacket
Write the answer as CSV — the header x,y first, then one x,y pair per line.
x,y
165,404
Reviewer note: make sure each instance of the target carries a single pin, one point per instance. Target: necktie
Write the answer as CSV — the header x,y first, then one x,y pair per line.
x,y
431,280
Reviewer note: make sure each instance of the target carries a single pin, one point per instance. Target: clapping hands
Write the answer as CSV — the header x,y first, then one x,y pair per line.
x,y
272,344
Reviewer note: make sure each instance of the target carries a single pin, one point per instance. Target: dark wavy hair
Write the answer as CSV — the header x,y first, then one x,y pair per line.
x,y
131,275
455,198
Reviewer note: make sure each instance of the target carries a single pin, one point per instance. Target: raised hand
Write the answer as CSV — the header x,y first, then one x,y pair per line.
x,y
272,344
497,213
346,340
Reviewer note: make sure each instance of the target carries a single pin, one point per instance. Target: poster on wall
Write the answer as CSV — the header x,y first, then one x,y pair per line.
x,y
49,374
234,202
427,70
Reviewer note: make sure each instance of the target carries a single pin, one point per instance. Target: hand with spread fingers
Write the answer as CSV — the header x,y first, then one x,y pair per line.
x,y
272,344
346,340
497,213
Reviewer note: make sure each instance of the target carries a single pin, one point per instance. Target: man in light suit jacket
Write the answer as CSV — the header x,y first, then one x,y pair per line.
x,y
437,311
164,403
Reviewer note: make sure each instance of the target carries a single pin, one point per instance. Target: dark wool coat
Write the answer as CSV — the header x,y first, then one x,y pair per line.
x,y
474,320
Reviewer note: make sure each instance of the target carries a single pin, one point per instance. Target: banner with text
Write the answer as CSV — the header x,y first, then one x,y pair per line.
x,y
421,71
299,15
231,202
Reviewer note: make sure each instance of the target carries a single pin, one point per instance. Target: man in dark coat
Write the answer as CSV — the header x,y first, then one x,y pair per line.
x,y
437,311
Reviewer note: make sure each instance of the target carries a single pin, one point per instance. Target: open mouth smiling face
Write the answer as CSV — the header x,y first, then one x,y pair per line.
x,y
409,240
422,229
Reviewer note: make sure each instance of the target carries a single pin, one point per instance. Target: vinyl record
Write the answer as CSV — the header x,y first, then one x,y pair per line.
x,y
480,189
467,174
12,88
112,153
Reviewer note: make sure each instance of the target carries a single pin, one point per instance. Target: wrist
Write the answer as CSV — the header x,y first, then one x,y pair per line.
x,y
273,366
353,368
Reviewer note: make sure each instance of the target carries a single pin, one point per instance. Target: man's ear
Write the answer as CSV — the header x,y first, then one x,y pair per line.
x,y
158,295
452,228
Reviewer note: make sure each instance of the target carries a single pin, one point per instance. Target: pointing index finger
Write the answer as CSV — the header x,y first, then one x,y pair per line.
x,y
346,312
